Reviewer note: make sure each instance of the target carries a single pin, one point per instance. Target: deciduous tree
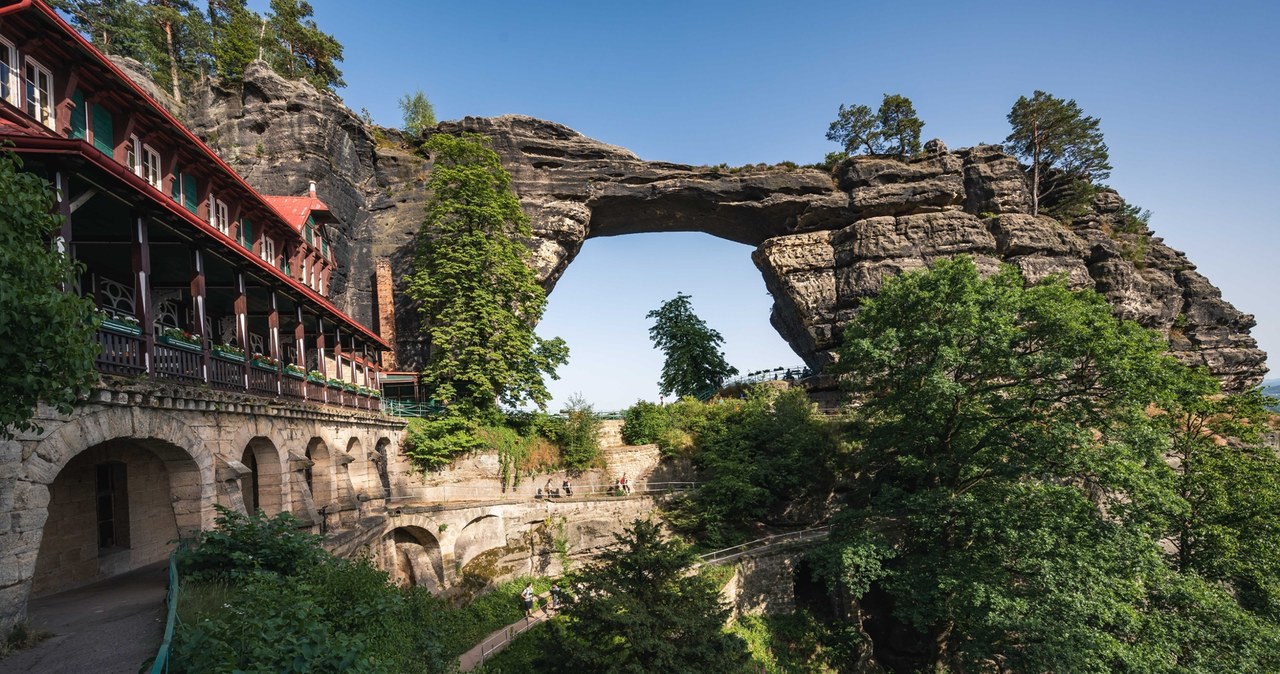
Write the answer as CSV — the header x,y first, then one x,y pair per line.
x,y
479,299
47,349
694,362
419,115
1050,133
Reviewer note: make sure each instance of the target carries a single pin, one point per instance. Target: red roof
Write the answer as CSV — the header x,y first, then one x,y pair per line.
x,y
296,210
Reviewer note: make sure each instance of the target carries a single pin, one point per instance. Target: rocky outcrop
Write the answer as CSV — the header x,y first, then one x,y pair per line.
x,y
824,241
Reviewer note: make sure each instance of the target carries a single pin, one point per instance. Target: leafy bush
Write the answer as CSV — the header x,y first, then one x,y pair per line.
x,y
787,643
241,545
433,443
643,423
581,447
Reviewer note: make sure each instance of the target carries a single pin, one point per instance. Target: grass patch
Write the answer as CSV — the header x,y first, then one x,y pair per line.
x,y
21,637
522,655
791,643
462,628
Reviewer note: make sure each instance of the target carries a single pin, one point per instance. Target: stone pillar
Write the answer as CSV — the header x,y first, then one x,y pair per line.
x,y
385,309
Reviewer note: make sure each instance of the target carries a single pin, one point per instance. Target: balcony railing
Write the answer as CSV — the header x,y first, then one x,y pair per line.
x,y
125,355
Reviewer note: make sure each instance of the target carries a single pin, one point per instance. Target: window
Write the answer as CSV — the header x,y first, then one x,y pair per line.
x,y
39,93
306,280
112,493
268,250
151,166
218,215
8,72
133,152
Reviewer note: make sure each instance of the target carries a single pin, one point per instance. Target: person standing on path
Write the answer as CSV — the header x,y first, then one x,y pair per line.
x,y
527,596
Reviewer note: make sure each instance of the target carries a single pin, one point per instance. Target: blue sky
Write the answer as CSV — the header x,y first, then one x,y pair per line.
x,y
1187,95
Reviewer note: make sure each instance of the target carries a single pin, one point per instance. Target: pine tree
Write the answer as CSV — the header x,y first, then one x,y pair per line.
x,y
893,129
235,36
301,49
1052,133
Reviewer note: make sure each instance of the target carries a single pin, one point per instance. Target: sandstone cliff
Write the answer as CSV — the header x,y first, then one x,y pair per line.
x,y
824,241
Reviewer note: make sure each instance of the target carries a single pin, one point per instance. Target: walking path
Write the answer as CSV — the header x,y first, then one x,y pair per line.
x,y
497,641
108,627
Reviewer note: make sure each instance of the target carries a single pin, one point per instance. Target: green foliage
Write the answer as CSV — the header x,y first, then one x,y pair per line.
x,y
639,610
57,366
693,361
787,643
580,448
241,545
893,129
754,459
479,299
21,637
1134,219
643,423
300,48
1050,133
235,35
433,442
1011,492
527,653
419,115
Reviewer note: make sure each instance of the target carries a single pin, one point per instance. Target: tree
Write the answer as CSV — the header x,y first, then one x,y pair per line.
x,y
899,126
893,129
1050,133
179,38
418,113
694,362
638,609
47,349
479,299
114,26
300,48
1010,485
580,445
235,37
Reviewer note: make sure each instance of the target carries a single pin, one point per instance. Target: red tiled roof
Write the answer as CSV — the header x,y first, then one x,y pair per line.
x,y
295,210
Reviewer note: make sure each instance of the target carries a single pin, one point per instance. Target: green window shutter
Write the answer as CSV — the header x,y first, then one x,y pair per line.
x,y
79,128
324,247
310,222
246,233
102,130
190,193
177,183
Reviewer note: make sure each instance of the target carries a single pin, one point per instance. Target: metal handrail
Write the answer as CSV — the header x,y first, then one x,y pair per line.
x,y
161,664
448,493
733,552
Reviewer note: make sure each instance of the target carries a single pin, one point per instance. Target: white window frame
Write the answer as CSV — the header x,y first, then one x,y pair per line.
x,y
133,155
268,252
150,169
218,215
9,86
39,101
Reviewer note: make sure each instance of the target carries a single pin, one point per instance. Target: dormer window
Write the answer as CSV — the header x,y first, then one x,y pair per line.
x,y
8,72
218,215
39,93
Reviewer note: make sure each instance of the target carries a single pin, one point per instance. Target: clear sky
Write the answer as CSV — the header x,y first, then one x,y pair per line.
x,y
1187,93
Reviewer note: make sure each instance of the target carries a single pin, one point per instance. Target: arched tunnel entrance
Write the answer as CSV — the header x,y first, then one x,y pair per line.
x,y
415,558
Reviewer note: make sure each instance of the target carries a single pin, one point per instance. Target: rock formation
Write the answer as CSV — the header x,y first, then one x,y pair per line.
x,y
824,240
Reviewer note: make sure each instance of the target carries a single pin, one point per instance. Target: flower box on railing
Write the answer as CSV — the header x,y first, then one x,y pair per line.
x,y
349,387
335,383
122,326
179,343
265,365
294,371
365,391
230,353
315,377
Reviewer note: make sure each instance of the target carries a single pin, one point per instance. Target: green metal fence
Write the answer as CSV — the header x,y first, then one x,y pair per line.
x,y
161,664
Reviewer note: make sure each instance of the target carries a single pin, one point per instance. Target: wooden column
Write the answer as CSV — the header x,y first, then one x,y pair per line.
x,y
300,347
324,369
141,245
64,245
198,299
242,325
337,360
273,339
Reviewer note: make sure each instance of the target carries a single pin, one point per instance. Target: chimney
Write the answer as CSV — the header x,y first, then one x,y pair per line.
x,y
312,189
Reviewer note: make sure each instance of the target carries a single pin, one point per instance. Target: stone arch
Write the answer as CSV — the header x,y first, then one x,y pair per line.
x,y
113,507
482,533
263,486
414,558
320,476
345,484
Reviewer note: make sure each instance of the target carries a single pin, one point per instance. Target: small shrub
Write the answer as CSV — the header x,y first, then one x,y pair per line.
x,y
643,423
21,637
581,447
241,545
433,443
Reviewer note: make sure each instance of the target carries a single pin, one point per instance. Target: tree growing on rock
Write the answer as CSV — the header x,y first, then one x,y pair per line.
x,y
58,363
419,115
893,129
300,48
694,362
1063,148
479,299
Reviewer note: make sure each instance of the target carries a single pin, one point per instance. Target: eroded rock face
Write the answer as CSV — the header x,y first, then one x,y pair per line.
x,y
824,241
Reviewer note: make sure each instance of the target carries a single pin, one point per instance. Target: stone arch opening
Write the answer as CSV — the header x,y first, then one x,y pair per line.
x,y
263,486
354,453
480,534
381,457
319,477
415,558
114,507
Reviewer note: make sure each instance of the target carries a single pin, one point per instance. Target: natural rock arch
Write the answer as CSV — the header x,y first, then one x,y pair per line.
x,y
482,533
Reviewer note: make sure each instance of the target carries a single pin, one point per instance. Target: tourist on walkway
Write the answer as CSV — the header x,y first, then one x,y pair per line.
x,y
568,489
527,596
555,596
